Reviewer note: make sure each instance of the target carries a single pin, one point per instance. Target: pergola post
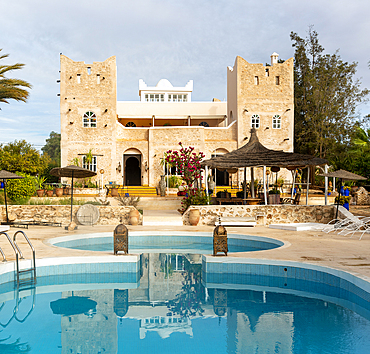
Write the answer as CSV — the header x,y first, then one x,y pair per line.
x,y
206,182
245,185
264,184
252,182
326,185
293,182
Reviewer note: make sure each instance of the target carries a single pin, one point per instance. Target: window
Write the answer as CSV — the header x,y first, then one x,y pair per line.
x,y
130,124
90,166
267,72
255,122
89,120
98,79
154,97
78,78
88,70
277,80
256,81
276,122
177,98
204,124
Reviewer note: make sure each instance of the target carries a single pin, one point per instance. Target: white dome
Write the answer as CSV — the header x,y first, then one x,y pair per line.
x,y
164,83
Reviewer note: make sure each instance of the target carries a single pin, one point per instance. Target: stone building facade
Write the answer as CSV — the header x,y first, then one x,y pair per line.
x,y
127,140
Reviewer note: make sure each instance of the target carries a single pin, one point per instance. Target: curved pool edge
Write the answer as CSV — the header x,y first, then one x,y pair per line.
x,y
234,239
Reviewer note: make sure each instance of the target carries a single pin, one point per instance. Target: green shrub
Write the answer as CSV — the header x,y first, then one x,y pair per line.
x,y
174,182
20,189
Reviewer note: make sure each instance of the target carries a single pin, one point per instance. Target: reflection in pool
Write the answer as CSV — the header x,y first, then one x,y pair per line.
x,y
173,310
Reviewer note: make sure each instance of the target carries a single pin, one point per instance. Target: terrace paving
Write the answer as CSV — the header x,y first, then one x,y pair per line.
x,y
314,247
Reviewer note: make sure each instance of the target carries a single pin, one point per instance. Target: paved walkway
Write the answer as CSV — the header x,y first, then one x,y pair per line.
x,y
331,250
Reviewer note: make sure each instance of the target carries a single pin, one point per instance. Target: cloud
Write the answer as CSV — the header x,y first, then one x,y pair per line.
x,y
177,40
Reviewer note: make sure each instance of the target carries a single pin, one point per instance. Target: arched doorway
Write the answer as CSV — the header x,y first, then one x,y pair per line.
x,y
132,167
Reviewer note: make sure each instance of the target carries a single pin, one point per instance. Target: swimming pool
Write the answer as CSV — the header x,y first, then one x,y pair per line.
x,y
168,302
154,241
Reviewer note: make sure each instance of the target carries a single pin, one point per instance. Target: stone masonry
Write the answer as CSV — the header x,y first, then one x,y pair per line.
x,y
265,214
252,90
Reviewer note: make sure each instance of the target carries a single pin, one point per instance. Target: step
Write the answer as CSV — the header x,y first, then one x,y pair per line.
x,y
162,218
160,203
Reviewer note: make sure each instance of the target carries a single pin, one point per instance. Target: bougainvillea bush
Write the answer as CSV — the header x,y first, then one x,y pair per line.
x,y
188,166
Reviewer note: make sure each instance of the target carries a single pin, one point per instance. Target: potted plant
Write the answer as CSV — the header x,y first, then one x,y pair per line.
x,y
59,190
39,180
114,190
274,196
343,200
49,190
223,194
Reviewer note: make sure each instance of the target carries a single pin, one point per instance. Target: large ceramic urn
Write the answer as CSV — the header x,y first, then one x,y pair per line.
x,y
194,217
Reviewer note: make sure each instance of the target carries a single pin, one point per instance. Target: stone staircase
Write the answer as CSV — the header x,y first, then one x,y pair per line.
x,y
161,218
161,211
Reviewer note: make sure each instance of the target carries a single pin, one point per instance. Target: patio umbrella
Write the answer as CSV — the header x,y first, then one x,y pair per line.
x,y
5,175
73,305
72,172
343,175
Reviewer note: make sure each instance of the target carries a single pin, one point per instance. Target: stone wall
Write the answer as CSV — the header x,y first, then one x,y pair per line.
x,y
273,214
109,215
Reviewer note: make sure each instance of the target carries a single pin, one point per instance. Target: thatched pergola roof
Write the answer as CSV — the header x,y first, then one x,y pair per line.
x,y
254,154
343,174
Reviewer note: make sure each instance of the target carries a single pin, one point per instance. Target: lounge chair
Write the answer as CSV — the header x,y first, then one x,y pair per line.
x,y
294,201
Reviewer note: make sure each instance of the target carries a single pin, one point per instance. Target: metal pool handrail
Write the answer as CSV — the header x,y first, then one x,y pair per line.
x,y
12,244
33,254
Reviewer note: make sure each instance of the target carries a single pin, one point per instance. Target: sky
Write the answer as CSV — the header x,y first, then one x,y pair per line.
x,y
172,39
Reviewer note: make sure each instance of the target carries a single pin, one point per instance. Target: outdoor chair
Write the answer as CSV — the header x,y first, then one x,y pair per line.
x,y
344,226
362,226
294,201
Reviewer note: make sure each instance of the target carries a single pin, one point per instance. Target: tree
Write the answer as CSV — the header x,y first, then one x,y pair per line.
x,y
12,88
20,156
52,148
326,97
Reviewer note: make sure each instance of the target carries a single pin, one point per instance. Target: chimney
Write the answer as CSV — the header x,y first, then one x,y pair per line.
x,y
274,58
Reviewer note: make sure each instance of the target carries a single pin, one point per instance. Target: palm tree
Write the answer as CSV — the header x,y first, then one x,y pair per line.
x,y
12,88
362,137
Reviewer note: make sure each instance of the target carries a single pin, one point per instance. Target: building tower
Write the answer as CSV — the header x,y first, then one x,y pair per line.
x,y
88,99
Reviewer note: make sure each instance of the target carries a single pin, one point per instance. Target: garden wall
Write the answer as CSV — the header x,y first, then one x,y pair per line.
x,y
269,214
109,215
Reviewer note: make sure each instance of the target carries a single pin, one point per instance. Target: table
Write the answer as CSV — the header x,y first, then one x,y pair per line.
x,y
231,200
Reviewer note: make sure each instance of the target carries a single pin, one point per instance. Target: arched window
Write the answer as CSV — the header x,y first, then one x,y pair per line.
x,y
204,124
276,122
255,121
130,125
89,120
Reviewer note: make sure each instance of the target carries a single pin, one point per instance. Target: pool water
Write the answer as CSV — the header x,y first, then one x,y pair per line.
x,y
172,310
178,243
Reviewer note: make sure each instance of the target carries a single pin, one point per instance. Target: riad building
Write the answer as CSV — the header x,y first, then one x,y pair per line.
x,y
128,139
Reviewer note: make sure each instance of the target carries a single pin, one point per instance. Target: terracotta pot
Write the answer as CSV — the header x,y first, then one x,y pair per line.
x,y
49,193
59,192
134,217
194,217
40,192
114,192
